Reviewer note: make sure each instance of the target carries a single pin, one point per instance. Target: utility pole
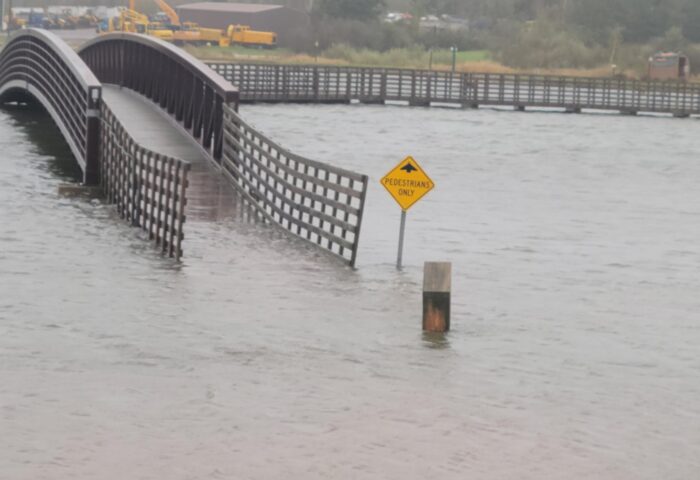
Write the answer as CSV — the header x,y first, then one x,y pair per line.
x,y
9,15
433,46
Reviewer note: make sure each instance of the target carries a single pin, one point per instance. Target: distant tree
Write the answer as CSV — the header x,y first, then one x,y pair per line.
x,y
350,9
673,40
691,21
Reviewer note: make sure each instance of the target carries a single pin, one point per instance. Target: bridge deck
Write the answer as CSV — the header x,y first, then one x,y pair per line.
x,y
210,196
148,126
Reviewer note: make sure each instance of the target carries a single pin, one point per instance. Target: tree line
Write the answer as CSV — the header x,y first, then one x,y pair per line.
x,y
529,33
637,20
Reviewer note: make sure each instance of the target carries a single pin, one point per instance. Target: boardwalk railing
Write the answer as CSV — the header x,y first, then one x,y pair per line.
x,y
294,83
147,188
37,64
315,201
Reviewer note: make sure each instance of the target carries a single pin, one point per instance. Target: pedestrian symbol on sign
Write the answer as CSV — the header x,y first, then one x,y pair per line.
x,y
409,168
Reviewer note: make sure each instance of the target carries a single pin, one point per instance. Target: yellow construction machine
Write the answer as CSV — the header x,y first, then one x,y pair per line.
x,y
132,21
167,26
243,35
188,32
17,22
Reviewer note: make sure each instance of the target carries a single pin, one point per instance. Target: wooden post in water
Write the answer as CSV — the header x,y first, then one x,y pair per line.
x,y
437,291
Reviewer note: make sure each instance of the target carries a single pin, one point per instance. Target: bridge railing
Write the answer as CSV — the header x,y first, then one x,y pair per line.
x,y
35,63
148,189
315,201
303,83
181,85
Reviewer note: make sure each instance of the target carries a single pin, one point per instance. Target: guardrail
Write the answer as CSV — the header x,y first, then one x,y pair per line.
x,y
315,201
183,86
36,63
303,83
149,189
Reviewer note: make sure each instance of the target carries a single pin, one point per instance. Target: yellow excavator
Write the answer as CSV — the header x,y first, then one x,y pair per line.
x,y
187,32
129,20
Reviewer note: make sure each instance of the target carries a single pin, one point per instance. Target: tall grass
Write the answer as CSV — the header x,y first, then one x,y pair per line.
x,y
630,61
411,57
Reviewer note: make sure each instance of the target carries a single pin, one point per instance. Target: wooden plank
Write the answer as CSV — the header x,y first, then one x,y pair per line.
x,y
437,277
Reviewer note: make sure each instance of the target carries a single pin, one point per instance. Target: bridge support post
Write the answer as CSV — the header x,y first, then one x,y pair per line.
x,y
91,176
372,101
418,102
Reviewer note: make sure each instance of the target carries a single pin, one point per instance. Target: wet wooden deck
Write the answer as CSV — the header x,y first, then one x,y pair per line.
x,y
210,195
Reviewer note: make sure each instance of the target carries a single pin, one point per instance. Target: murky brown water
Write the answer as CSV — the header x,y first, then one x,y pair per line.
x,y
575,312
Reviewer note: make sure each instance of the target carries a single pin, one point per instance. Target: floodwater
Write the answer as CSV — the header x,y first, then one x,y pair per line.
x,y
574,355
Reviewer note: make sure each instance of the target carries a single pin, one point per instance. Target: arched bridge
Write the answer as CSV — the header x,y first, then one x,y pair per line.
x,y
35,64
138,113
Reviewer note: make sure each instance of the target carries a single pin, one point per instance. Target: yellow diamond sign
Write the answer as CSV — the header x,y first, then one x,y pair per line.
x,y
407,183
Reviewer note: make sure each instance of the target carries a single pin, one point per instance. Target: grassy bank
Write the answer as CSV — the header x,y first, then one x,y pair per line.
x,y
344,55
481,61
469,61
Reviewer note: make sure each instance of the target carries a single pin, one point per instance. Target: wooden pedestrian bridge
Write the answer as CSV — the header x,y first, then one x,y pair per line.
x,y
145,120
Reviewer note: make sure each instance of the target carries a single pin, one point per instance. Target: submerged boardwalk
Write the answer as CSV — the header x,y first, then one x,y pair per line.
x,y
325,84
210,196
146,122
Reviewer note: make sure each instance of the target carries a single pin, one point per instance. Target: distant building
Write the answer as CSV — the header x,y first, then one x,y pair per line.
x,y
398,17
281,19
443,22
669,66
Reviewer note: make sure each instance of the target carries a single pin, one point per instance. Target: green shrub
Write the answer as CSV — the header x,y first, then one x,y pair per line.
x,y
396,57
547,45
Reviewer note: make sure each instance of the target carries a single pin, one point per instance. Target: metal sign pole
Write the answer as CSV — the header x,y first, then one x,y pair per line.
x,y
402,230
9,16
